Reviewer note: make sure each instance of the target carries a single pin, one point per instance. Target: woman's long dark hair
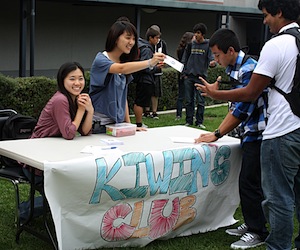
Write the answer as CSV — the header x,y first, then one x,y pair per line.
x,y
63,71
185,39
116,30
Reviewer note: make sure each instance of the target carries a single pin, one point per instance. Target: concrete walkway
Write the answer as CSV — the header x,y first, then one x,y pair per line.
x,y
173,111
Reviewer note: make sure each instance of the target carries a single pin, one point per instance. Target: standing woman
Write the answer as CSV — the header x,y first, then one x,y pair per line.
x,y
111,73
185,39
67,112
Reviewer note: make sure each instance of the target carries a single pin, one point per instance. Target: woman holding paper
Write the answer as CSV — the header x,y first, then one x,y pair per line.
x,y
111,73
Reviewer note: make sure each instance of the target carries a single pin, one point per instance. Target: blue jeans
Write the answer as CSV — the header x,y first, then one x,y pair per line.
x,y
192,95
180,97
280,159
250,189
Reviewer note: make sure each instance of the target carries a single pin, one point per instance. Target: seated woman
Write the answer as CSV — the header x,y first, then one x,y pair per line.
x,y
68,111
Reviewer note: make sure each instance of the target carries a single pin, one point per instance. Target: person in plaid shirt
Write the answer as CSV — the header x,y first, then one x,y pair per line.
x,y
250,116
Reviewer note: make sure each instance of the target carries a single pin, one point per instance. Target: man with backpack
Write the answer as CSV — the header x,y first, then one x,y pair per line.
x,y
144,79
280,149
251,117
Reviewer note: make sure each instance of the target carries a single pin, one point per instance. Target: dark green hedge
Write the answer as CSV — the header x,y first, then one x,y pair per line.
x,y
28,95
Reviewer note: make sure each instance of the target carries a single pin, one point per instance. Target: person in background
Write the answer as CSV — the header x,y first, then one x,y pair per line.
x,y
111,73
68,112
251,115
185,39
145,79
196,59
161,47
123,18
280,149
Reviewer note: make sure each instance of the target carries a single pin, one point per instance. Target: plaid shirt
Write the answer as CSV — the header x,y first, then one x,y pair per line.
x,y
252,114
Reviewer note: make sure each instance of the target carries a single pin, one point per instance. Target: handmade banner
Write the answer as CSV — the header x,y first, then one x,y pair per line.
x,y
120,199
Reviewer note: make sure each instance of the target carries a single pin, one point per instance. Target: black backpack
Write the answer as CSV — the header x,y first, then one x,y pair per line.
x,y
137,76
13,127
293,97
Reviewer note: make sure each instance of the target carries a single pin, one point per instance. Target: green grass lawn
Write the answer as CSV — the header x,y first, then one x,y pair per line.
x,y
212,118
216,240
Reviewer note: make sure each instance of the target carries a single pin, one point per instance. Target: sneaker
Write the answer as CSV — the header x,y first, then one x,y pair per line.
x,y
248,240
178,118
141,125
146,114
155,116
201,126
239,231
187,124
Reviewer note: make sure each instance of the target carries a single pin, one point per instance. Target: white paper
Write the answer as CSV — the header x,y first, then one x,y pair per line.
x,y
100,150
112,141
182,139
174,63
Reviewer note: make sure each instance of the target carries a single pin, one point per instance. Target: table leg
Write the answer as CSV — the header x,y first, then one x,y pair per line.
x,y
25,226
22,226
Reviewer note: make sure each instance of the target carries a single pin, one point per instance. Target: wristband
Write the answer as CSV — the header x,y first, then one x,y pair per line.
x,y
149,65
218,134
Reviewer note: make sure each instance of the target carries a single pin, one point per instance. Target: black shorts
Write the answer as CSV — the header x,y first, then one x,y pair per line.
x,y
157,87
143,94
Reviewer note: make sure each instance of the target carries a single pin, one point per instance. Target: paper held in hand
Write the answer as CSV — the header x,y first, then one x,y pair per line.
x,y
174,63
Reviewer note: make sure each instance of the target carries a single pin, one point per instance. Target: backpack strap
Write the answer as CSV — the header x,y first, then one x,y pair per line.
x,y
246,57
234,81
296,33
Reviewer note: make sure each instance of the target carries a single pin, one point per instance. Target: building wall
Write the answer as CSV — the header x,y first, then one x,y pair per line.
x,y
66,32
9,42
244,4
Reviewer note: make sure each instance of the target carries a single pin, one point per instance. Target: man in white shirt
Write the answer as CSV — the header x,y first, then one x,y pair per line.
x,y
280,150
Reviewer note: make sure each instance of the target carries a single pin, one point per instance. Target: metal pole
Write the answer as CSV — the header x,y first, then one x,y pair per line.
x,y
138,20
23,30
227,19
32,37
